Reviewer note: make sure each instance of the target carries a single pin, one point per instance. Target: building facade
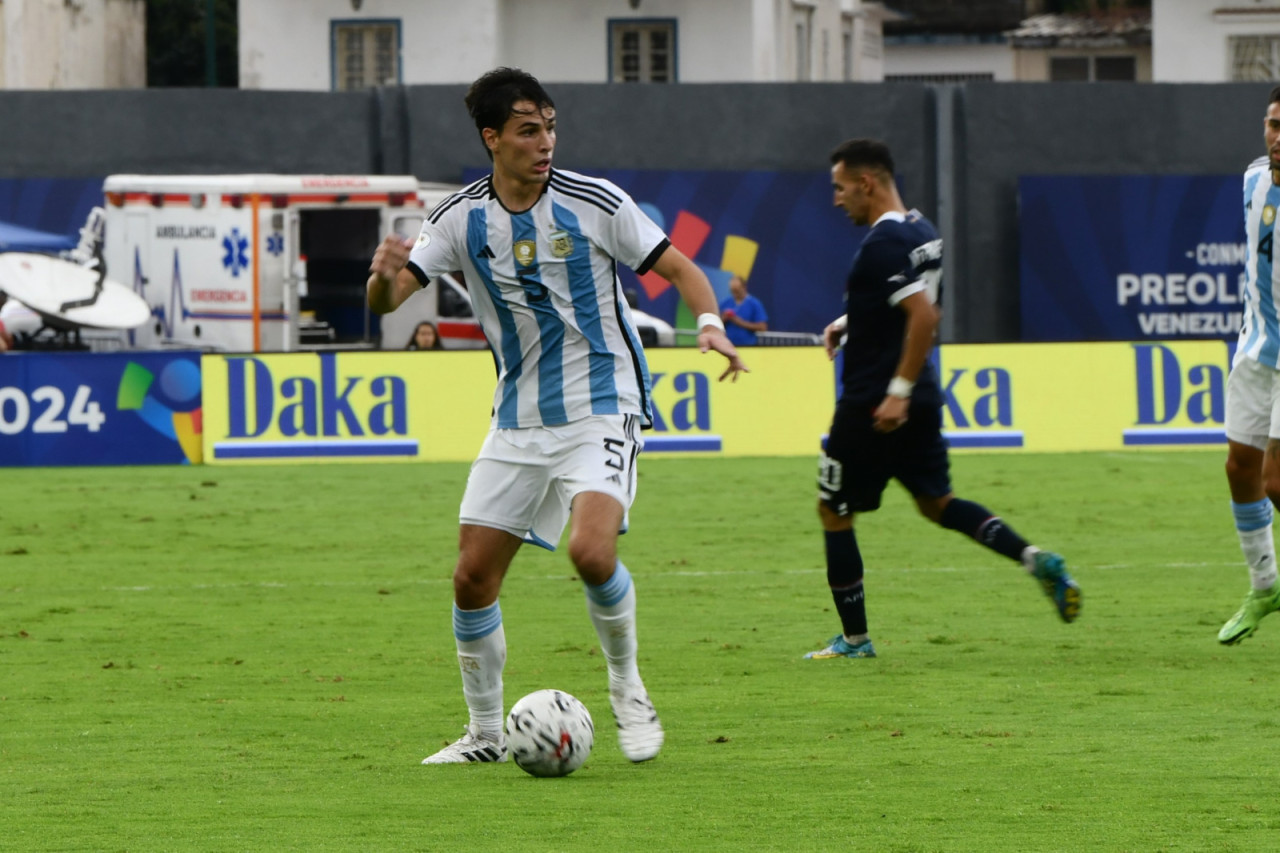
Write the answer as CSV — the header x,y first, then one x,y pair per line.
x,y
1213,41
354,44
948,41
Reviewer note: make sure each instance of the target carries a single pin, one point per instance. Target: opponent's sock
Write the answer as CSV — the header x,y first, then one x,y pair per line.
x,y
984,526
1253,526
482,653
612,607
844,576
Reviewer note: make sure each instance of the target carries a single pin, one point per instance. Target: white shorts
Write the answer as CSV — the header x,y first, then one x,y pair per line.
x,y
524,480
1253,403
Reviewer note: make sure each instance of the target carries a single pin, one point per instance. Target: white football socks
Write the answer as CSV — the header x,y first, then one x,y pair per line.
x,y
1260,553
482,654
612,607
1253,525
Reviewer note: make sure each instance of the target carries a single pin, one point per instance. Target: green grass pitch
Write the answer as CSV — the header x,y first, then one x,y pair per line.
x,y
257,658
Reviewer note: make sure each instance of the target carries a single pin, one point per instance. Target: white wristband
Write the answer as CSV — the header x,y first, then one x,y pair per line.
x,y
899,387
709,319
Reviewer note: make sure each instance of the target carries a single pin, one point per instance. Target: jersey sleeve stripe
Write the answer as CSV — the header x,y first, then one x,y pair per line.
x,y
903,292
592,195
652,257
586,184
448,201
473,192
595,202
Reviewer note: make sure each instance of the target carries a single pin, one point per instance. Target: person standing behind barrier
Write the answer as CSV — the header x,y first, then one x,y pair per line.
x,y
1253,391
888,420
425,337
540,247
743,314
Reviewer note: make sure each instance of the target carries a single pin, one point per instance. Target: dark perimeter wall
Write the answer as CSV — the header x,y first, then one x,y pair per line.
x,y
960,148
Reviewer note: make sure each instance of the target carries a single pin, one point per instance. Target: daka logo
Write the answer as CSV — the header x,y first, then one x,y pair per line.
x,y
1169,392
301,406
978,404
690,404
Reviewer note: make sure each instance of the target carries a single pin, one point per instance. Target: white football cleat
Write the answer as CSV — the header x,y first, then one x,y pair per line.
x,y
472,747
639,733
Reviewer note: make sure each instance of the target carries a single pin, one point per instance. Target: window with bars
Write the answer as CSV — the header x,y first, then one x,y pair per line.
x,y
366,54
1254,58
642,51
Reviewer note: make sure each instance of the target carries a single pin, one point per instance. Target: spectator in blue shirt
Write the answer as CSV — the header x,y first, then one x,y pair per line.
x,y
743,314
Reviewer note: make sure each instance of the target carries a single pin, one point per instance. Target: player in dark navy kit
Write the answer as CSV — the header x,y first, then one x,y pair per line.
x,y
888,421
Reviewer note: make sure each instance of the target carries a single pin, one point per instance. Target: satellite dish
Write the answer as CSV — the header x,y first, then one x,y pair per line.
x,y
69,295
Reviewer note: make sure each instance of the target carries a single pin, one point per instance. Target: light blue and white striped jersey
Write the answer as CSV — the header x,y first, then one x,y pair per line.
x,y
545,289
1260,331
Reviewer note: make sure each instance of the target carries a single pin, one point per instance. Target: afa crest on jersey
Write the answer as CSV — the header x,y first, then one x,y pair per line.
x,y
561,244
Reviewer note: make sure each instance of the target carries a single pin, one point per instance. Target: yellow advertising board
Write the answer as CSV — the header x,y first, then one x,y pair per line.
x,y
353,406
435,406
1084,396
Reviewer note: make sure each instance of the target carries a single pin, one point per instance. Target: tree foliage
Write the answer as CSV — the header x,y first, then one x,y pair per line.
x,y
176,39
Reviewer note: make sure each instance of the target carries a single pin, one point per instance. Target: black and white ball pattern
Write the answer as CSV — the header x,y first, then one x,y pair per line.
x,y
550,733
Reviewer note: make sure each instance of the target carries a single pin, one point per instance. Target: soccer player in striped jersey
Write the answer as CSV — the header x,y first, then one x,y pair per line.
x,y
888,420
539,247
1253,391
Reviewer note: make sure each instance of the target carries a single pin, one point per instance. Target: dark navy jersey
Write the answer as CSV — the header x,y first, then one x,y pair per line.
x,y
901,255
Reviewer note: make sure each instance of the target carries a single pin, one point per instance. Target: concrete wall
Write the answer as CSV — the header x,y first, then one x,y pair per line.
x,y
730,126
49,44
960,149
202,131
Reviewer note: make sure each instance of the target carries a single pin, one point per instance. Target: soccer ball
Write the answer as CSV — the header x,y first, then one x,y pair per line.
x,y
550,733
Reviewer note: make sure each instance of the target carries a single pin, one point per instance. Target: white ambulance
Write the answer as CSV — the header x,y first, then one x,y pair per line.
x,y
262,263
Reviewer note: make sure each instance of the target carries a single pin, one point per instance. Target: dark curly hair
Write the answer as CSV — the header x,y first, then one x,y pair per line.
x,y
492,98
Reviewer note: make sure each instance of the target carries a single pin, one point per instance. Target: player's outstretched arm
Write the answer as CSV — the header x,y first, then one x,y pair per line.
x,y
696,292
390,284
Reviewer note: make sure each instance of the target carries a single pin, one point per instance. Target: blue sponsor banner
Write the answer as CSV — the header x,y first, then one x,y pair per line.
x,y
100,409
1129,258
55,205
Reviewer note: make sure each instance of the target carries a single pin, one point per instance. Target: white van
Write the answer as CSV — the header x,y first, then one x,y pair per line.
x,y
253,263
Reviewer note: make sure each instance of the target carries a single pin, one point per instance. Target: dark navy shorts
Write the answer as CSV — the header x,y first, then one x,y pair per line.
x,y
859,462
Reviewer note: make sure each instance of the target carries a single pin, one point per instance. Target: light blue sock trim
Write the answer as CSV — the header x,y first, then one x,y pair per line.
x,y
1252,516
476,624
613,590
